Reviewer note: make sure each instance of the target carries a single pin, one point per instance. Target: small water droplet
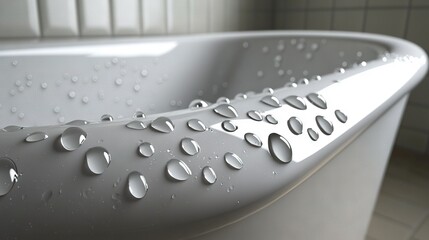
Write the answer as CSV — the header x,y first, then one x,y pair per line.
x,y
324,125
317,100
241,96
97,160
226,110
136,125
313,134
36,137
72,138
209,175
341,116
228,126
303,81
178,170
340,70
74,79
85,99
271,119
118,81
255,115
72,94
223,100
144,73
190,146
296,102
21,115
139,114
8,175
44,85
197,125
137,185
260,74
46,196
137,88
78,122
271,101
233,160
146,149
129,102
12,128
106,118
253,139
162,124
268,90
198,103
279,148
295,125
245,44
15,63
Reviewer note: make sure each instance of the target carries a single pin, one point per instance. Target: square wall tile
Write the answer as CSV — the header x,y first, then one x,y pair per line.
x,y
388,3
348,20
417,27
263,6
126,17
416,117
59,18
386,229
290,4
319,20
177,16
413,140
19,19
423,232
419,94
94,17
232,15
199,16
290,20
217,15
154,17
418,3
318,4
350,3
392,23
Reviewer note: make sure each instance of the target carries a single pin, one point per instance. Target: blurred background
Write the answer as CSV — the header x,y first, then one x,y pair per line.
x,y
402,211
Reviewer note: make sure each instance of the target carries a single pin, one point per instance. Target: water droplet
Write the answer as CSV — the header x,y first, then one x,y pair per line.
x,y
340,70
253,139
21,115
255,115
97,160
226,110
190,146
44,85
72,138
313,134
271,101
129,102
198,103
46,196
209,175
241,96
139,114
85,99
196,125
106,118
317,100
74,79
72,94
118,81
162,124
295,125
78,122
178,170
245,44
279,148
15,63
341,116
146,149
136,125
316,78
296,102
228,126
233,160
137,185
144,73
291,85
12,128
8,175
260,74
325,126
268,90
36,137
223,100
271,119
303,81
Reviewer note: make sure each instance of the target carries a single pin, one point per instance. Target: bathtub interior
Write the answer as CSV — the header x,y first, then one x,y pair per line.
x,y
85,80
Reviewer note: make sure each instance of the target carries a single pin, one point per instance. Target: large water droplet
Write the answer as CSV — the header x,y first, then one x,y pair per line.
x,y
146,149
341,116
233,160
196,125
280,148
228,126
295,125
36,137
198,103
8,175
271,119
12,128
313,134
72,138
178,170
78,122
163,124
296,102
271,101
209,175
97,160
253,139
137,185
317,100
226,110
106,118
190,146
223,100
136,125
255,115
325,126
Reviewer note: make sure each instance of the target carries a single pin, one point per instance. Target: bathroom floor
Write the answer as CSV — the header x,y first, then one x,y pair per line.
x,y
402,209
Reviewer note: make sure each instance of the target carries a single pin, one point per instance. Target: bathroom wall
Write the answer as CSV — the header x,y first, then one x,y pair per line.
x,y
401,18
100,18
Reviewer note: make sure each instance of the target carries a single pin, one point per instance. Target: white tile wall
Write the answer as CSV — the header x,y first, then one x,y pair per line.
x,y
177,16
125,17
59,18
348,20
386,21
154,20
94,17
199,16
417,27
19,19
319,20
217,15
384,229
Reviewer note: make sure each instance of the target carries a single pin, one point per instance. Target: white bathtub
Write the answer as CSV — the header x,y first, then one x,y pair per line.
x,y
96,179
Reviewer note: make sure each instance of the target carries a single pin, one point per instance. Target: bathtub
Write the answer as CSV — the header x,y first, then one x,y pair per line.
x,y
259,135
